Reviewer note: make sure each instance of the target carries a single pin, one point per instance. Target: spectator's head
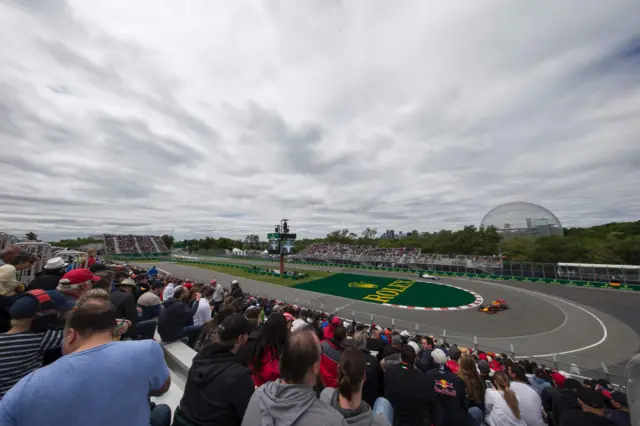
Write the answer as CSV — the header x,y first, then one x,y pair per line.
x,y
516,373
272,340
8,254
375,334
483,368
56,266
91,322
439,357
351,374
290,318
591,400
571,384
427,343
340,334
182,294
408,356
157,287
38,310
300,359
360,341
127,285
232,333
77,281
8,276
396,342
454,353
502,383
24,260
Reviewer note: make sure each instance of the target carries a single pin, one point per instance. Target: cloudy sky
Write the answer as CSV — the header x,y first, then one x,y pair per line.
x,y
219,118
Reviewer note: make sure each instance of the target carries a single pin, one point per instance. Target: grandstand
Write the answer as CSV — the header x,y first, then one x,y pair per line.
x,y
134,244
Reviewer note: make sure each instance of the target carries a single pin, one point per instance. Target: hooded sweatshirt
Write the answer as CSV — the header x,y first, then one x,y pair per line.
x,y
279,404
168,291
218,389
174,317
363,416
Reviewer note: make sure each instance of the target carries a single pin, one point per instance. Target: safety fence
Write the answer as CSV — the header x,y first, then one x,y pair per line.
x,y
586,367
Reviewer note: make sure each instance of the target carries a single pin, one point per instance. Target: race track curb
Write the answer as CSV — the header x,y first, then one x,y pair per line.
x,y
475,304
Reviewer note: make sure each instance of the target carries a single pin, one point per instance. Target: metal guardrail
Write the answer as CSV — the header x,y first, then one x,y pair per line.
x,y
579,365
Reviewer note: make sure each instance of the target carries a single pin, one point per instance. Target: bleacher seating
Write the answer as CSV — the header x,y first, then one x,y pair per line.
x,y
134,244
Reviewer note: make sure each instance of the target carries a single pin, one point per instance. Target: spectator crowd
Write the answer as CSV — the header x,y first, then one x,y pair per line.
x,y
134,244
79,349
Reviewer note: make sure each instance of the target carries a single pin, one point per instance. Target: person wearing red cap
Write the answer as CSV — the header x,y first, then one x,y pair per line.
x,y
76,282
289,319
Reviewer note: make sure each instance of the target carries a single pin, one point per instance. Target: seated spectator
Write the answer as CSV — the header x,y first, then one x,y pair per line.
x,y
411,393
72,390
474,386
291,400
53,271
373,387
330,327
592,411
124,302
330,359
374,342
218,385
558,401
150,303
347,399
168,291
501,403
236,291
485,371
540,380
176,317
77,282
209,328
23,347
620,413
454,356
394,348
450,391
153,271
528,399
268,350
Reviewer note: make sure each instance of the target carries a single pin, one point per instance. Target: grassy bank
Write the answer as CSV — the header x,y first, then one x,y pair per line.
x,y
242,273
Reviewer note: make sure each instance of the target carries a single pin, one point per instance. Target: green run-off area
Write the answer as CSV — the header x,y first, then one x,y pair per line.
x,y
390,290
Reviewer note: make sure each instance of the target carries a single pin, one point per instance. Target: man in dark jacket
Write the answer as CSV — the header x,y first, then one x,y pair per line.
x,y
236,291
411,393
451,392
124,302
218,385
426,360
176,317
54,269
373,386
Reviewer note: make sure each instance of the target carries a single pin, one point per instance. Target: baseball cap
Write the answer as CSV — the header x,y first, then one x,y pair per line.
x,y
454,352
288,316
157,284
233,326
483,367
439,356
213,282
396,340
335,321
27,306
55,263
405,333
620,398
234,282
415,347
78,276
590,397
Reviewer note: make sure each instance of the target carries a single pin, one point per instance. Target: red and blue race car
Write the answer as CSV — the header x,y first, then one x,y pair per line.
x,y
495,307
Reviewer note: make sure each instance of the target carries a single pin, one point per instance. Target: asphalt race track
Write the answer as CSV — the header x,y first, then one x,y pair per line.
x,y
580,325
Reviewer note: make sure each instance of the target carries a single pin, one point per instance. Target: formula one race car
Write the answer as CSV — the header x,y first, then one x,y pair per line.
x,y
495,307
429,277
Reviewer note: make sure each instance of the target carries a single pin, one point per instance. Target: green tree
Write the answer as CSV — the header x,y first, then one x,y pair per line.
x,y
31,236
168,240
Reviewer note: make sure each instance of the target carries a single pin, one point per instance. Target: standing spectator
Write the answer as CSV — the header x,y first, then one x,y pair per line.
x,y
203,309
451,392
373,387
454,356
426,360
620,414
474,386
374,342
53,272
153,272
218,386
411,393
176,317
330,359
218,295
394,348
92,257
8,254
150,303
23,347
77,282
268,350
592,413
72,390
501,404
236,291
347,399
528,399
292,400
330,327
9,284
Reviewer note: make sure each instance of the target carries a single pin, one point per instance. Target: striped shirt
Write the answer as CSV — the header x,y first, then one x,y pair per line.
x,y
21,353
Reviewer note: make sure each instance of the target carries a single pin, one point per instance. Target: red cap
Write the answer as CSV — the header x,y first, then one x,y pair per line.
x,y
558,378
482,357
288,316
79,276
336,321
187,285
213,282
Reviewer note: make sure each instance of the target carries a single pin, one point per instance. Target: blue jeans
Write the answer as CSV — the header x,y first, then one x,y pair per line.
x,y
144,330
383,406
476,415
160,415
192,332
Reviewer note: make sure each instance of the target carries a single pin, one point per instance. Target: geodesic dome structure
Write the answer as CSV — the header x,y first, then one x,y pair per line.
x,y
523,219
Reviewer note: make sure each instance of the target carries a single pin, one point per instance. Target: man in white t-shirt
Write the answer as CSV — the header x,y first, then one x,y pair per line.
x,y
203,313
218,294
528,399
